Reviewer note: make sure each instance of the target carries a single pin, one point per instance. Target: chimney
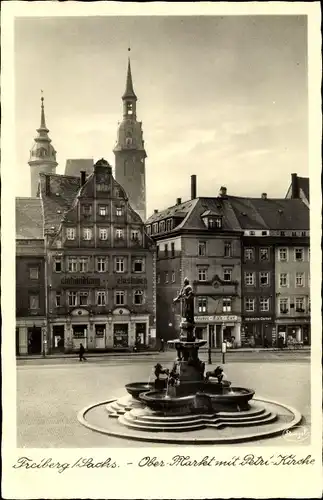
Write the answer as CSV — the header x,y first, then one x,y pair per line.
x,y
223,191
178,201
155,211
83,177
295,188
193,187
47,185
264,196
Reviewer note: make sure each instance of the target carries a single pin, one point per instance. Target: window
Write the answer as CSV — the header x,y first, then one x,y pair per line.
x,y
202,273
169,225
215,222
58,264
264,278
72,264
202,304
83,297
299,279
300,304
86,210
138,297
264,304
87,234
250,304
101,264
58,299
162,226
33,273
202,248
135,235
166,277
283,305
102,187
155,227
148,230
299,254
264,254
103,234
119,234
249,279
119,265
226,304
158,279
83,264
227,274
70,233
103,210
120,297
172,249
249,254
283,279
166,250
282,254
227,249
72,299
173,277
138,266
101,297
118,212
34,301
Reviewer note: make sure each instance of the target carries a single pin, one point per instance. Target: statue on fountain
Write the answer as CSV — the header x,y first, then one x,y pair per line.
x,y
186,296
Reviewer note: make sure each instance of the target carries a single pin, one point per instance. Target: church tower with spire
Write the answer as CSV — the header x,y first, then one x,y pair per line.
x,y
130,151
42,154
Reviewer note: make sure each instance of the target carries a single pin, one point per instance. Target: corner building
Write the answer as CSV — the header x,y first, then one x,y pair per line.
x,y
100,264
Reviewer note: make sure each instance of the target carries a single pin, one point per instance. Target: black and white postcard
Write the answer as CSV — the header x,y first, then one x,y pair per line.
x,y
161,260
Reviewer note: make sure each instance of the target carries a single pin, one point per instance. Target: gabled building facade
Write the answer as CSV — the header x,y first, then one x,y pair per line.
x,y
100,264
299,188
199,239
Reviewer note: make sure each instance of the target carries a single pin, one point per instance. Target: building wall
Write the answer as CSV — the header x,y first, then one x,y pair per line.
x,y
258,324
293,323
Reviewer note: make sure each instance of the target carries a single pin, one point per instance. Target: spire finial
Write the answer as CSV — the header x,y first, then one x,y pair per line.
x,y
42,115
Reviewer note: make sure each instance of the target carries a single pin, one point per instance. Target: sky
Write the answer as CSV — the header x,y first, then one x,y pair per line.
x,y
222,97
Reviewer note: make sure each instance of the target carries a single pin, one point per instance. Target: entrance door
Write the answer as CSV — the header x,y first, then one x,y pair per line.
x,y
211,336
58,338
100,336
120,335
79,336
34,340
141,334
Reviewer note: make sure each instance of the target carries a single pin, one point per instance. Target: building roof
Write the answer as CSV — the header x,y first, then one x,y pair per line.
x,y
239,213
29,219
75,166
304,185
63,190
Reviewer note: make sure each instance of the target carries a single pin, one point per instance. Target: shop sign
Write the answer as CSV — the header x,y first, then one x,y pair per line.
x,y
258,318
153,333
80,281
210,319
133,280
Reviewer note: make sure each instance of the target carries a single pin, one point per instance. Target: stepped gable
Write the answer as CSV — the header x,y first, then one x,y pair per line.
x,y
29,219
62,192
275,214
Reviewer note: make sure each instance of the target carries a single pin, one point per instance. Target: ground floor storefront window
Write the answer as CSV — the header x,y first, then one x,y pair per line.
x,y
258,334
120,335
289,335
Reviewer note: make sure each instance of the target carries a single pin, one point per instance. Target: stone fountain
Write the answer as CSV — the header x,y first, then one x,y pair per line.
x,y
186,399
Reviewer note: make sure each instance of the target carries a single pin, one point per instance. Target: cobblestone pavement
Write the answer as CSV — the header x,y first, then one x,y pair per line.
x,y
50,395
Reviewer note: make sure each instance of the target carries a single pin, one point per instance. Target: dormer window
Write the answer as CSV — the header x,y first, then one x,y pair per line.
x,y
162,226
169,225
155,227
148,230
215,222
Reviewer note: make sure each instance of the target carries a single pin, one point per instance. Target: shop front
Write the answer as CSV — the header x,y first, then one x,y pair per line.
x,y
218,328
258,331
31,336
294,331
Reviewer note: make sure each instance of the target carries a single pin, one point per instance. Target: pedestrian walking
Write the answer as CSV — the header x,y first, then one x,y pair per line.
x,y
162,345
81,353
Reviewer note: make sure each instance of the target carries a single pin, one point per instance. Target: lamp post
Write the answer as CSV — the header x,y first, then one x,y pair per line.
x,y
209,352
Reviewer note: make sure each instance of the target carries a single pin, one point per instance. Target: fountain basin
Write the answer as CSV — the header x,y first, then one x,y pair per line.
x,y
160,401
211,387
136,388
233,399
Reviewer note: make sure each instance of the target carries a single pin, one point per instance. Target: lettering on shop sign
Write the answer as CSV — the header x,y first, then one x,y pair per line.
x,y
80,280
206,319
132,281
258,319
